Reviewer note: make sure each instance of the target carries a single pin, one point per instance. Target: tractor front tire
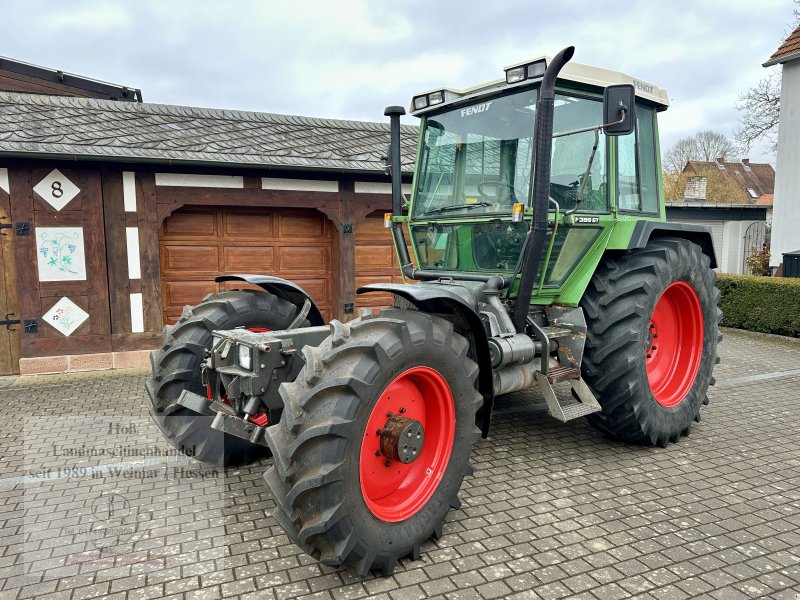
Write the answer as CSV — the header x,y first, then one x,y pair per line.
x,y
177,367
651,347
338,494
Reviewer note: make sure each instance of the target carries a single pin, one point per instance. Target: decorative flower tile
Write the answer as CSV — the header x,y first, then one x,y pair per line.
x,y
66,316
56,189
60,254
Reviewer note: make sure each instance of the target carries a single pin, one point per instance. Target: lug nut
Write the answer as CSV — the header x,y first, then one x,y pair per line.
x,y
389,413
387,464
402,410
379,432
377,452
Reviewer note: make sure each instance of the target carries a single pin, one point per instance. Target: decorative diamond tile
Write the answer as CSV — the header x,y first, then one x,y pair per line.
x,y
56,189
66,316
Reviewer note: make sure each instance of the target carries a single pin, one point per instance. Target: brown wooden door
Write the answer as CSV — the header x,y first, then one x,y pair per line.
x,y
199,243
376,260
9,340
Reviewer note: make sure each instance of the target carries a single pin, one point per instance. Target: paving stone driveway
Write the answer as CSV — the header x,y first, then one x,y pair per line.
x,y
93,505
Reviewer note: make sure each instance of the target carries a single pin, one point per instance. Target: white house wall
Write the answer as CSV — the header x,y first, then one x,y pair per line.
x,y
786,217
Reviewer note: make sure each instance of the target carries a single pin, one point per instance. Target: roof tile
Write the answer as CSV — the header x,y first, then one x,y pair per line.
x,y
788,50
63,125
760,177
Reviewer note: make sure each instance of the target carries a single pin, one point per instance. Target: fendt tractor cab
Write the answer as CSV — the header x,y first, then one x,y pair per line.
x,y
539,258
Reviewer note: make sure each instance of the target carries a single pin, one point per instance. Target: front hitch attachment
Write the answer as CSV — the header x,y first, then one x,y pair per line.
x,y
239,428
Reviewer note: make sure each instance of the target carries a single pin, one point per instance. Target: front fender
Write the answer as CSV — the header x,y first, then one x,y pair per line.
x,y
461,308
281,288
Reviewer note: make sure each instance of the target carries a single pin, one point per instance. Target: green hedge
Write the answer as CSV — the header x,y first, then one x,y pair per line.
x,y
766,304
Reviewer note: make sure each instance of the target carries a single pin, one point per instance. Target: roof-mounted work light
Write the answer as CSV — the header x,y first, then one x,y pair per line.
x,y
525,71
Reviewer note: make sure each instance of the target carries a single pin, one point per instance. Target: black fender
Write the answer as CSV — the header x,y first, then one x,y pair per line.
x,y
699,234
462,310
281,288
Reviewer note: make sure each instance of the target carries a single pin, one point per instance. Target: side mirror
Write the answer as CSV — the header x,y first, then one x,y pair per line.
x,y
619,109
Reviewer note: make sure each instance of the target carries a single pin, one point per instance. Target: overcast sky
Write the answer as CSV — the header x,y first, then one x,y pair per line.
x,y
349,58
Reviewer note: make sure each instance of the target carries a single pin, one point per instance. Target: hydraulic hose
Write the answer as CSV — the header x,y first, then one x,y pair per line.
x,y
540,183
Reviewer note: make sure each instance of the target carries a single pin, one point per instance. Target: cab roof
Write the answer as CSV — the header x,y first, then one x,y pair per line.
x,y
597,77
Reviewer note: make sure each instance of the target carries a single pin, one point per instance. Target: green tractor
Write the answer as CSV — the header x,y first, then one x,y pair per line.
x,y
541,258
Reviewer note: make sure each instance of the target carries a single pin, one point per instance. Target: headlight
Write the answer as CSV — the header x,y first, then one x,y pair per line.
x,y
436,97
245,357
526,71
516,74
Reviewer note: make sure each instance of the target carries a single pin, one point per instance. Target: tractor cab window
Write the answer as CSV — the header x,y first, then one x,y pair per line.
x,y
578,166
476,158
637,177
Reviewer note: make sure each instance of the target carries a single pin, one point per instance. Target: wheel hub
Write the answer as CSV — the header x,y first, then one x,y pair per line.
x,y
402,439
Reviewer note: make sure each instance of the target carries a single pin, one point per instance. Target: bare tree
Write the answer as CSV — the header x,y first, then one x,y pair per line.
x,y
760,108
704,145
760,105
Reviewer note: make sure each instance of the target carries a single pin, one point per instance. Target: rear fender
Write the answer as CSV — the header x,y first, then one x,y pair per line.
x,y
462,311
699,234
281,288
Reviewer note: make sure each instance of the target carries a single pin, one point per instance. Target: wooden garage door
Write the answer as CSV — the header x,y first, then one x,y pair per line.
x,y
376,260
198,244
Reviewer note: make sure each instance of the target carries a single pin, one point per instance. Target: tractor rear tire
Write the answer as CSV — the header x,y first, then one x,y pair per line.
x,y
336,495
177,367
651,347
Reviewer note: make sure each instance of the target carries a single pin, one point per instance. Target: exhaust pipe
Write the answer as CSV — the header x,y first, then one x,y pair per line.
x,y
540,182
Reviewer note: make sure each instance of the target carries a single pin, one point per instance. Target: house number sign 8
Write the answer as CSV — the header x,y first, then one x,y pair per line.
x,y
56,189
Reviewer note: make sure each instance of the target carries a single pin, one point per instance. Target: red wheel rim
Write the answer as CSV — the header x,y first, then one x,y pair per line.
x,y
675,344
399,491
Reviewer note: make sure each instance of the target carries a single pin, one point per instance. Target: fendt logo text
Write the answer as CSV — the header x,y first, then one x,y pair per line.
x,y
474,110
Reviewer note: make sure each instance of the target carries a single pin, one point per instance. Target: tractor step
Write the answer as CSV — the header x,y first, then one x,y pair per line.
x,y
586,404
565,373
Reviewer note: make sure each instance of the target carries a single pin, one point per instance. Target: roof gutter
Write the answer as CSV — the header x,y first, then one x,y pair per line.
x,y
73,157
781,60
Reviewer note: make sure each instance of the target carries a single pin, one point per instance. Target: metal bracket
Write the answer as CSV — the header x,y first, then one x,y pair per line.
x,y
239,428
5,226
31,325
23,229
347,228
349,308
8,321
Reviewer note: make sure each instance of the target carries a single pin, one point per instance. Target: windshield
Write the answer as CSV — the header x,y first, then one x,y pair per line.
x,y
477,158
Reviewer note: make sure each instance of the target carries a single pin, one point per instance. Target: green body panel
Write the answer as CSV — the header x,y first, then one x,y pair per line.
x,y
615,230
